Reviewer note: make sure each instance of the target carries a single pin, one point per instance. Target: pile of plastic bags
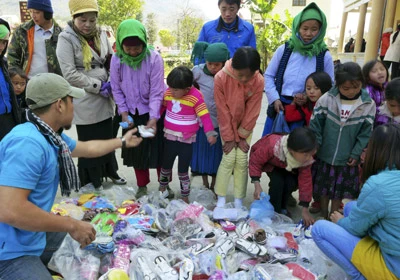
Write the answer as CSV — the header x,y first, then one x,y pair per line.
x,y
154,238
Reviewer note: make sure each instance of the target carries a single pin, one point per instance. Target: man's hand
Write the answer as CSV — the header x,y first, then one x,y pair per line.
x,y
228,146
83,232
152,124
243,145
131,139
124,117
278,106
307,218
300,99
336,216
257,190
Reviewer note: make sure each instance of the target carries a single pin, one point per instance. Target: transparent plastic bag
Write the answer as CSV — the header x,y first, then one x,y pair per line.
x,y
203,196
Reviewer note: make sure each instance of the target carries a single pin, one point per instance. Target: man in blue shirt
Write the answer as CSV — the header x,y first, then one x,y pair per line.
x,y
35,159
229,28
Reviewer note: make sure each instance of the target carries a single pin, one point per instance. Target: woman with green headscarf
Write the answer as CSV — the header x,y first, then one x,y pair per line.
x,y
304,53
137,81
285,77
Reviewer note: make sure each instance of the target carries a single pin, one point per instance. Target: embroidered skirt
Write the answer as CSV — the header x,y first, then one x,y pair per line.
x,y
337,182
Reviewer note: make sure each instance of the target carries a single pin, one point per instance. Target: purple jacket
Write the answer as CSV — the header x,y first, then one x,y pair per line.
x,y
141,89
377,93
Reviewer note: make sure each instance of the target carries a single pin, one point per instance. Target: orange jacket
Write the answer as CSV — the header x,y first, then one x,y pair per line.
x,y
238,105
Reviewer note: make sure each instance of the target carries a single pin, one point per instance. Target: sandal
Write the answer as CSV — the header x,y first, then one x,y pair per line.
x,y
251,248
164,270
147,272
186,269
225,248
197,247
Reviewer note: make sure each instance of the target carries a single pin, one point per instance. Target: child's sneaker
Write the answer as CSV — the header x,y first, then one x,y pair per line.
x,y
315,207
307,232
142,191
297,229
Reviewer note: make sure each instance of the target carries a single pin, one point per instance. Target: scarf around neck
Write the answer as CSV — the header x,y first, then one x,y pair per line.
x,y
68,176
282,152
86,50
317,44
132,28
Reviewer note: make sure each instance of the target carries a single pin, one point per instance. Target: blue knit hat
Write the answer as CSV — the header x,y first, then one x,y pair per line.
x,y
41,5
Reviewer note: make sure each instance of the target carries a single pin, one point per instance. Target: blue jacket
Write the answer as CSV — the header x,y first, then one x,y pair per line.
x,y
377,214
243,35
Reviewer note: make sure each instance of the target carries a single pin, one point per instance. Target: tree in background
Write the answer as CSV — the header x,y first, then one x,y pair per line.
x,y
270,30
189,29
112,12
151,28
166,37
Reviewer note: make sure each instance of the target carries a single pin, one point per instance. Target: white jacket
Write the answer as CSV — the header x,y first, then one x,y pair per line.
x,y
393,52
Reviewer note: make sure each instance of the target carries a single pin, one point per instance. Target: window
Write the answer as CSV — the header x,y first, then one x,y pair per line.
x,y
299,3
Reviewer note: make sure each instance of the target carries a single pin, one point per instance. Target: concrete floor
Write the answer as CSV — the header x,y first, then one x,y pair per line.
x,y
128,172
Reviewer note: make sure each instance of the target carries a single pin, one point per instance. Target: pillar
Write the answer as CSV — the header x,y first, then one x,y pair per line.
x,y
342,31
390,13
374,32
360,27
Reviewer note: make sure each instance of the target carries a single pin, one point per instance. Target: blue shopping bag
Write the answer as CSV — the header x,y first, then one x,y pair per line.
x,y
280,125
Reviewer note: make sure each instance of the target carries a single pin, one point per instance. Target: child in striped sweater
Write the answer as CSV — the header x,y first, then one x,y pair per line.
x,y
184,104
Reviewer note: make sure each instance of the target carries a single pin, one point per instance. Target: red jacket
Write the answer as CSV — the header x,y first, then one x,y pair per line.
x,y
385,43
263,159
292,113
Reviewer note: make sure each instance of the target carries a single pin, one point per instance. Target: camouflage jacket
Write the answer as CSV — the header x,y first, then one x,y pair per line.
x,y
18,54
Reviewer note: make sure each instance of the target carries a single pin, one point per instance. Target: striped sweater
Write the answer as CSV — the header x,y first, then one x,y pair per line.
x,y
182,114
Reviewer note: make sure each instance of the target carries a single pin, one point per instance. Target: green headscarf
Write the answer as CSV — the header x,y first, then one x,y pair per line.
x,y
132,28
317,45
3,31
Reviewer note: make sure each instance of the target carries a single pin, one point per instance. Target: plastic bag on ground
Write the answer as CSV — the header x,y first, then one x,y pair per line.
x,y
262,210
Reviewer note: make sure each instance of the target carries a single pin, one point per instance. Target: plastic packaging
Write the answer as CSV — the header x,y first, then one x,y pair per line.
x,y
262,210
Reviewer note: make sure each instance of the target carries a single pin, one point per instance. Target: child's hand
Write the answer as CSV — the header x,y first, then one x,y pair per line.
x,y
212,140
243,145
307,218
336,216
300,99
257,190
352,162
228,146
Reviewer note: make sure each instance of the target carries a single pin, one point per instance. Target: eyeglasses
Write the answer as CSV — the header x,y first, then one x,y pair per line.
x,y
19,84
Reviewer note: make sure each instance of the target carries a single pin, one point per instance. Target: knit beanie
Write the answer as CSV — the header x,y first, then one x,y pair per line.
x,y
82,6
217,52
3,31
203,51
41,5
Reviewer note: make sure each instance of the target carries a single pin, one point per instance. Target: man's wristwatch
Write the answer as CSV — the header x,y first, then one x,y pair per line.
x,y
123,142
